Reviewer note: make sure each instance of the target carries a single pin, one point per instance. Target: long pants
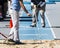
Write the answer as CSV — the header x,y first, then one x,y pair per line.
x,y
15,29
35,12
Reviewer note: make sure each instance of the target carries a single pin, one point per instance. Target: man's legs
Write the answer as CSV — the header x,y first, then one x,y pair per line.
x,y
42,11
35,12
14,29
42,18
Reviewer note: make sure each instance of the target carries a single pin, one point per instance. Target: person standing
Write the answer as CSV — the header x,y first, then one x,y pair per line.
x,y
15,7
38,6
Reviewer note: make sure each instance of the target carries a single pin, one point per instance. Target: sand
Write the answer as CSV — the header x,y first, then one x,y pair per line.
x,y
34,44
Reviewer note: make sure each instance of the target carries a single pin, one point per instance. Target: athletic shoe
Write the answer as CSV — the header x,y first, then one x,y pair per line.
x,y
9,42
43,25
18,42
33,25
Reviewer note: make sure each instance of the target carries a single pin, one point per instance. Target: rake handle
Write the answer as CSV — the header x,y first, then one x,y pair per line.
x,y
3,35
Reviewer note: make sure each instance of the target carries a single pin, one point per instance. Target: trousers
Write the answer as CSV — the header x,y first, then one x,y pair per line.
x,y
14,33
35,12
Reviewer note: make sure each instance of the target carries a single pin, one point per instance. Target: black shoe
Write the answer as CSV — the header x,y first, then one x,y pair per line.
x,y
1,19
43,25
18,42
33,25
11,40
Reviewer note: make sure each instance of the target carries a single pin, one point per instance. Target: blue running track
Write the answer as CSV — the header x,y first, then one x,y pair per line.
x,y
34,33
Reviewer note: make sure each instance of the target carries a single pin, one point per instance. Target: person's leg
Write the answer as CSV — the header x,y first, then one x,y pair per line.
x,y
15,20
14,33
5,9
42,14
42,18
34,16
1,12
11,34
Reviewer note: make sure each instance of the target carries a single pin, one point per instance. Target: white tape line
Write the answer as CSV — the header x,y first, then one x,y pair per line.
x,y
50,25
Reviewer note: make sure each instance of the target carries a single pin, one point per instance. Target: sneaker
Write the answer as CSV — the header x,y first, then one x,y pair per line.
x,y
43,25
33,25
10,42
18,42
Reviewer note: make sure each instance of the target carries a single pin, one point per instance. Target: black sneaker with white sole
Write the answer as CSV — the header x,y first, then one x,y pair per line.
x,y
43,25
33,25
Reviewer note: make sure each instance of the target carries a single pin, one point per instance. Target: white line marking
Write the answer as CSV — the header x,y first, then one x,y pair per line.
x,y
50,25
